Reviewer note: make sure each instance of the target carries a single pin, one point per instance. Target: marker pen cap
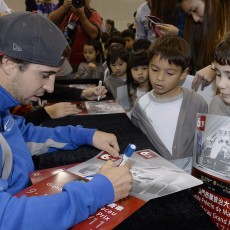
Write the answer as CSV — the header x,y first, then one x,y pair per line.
x,y
130,149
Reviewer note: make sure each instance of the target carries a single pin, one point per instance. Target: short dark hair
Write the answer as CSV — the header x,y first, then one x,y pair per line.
x,y
116,39
222,50
110,22
172,48
141,44
98,48
128,33
22,65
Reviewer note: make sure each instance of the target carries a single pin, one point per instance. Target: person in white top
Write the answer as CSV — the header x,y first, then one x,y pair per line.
x,y
167,114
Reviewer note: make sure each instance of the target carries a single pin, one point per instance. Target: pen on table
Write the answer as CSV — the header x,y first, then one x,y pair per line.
x,y
99,90
131,148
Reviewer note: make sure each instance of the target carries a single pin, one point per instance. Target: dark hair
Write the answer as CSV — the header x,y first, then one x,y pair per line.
x,y
138,58
166,10
22,65
116,51
128,33
141,44
172,48
110,22
135,59
222,50
203,36
116,39
104,37
98,48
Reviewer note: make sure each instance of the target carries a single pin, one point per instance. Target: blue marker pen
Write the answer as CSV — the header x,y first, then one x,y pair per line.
x,y
131,148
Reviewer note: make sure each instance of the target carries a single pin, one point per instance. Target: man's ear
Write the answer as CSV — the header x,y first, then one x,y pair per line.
x,y
184,74
8,65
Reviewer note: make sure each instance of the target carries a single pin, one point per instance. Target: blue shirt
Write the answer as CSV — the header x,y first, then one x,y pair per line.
x,y
18,142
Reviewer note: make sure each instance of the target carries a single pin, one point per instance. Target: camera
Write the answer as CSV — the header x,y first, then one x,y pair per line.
x,y
78,3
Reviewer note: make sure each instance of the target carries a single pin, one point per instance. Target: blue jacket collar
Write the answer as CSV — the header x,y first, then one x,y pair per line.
x,y
6,100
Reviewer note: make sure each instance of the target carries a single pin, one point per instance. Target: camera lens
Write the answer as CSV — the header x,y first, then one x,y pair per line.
x,y
78,3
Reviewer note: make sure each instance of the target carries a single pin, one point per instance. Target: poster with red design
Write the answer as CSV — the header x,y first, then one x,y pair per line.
x,y
211,164
153,177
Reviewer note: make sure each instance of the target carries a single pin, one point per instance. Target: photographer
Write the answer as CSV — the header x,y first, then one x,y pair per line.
x,y
78,21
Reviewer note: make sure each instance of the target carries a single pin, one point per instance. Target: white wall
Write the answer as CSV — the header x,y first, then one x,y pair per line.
x,y
121,11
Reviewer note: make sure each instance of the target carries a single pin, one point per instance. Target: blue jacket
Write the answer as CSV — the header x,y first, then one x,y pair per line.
x,y
18,142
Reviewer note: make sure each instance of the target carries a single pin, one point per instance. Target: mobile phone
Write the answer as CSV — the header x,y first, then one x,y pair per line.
x,y
155,20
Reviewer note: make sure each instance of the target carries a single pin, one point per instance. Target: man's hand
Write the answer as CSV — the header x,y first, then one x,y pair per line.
x,y
67,4
120,177
107,142
203,77
92,93
79,11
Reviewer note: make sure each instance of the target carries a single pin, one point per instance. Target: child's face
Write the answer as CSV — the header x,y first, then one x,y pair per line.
x,y
165,77
140,74
119,67
89,53
128,42
223,81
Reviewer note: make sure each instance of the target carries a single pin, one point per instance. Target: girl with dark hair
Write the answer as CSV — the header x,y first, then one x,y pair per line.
x,y
94,57
137,75
115,80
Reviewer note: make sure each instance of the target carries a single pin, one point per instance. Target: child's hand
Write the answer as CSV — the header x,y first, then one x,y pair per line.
x,y
61,109
203,77
91,64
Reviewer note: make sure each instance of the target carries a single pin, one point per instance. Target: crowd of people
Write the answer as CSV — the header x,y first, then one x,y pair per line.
x,y
144,63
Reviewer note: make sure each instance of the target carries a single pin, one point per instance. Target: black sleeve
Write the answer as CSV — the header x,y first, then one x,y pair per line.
x,y
37,116
63,93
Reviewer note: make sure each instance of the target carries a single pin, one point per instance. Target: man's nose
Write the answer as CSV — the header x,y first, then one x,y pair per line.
x,y
49,85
